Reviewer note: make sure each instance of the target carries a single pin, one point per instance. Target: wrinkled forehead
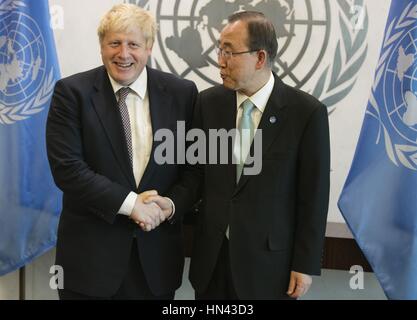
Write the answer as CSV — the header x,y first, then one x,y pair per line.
x,y
123,29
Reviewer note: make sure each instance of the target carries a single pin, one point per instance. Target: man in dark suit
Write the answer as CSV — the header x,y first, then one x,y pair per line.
x,y
257,236
100,147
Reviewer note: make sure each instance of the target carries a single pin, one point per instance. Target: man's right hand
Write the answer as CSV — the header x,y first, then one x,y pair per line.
x,y
164,203
147,216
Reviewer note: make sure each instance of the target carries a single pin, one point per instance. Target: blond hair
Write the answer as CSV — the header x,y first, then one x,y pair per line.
x,y
124,18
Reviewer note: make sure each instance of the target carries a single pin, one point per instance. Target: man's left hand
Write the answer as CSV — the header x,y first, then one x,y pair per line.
x,y
299,284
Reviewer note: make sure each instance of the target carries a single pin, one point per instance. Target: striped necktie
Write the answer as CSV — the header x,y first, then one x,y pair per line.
x,y
123,92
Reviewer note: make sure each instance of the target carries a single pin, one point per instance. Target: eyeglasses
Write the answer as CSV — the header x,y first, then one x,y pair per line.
x,y
229,54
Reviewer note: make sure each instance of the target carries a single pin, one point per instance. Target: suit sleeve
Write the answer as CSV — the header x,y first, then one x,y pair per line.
x,y
313,186
81,185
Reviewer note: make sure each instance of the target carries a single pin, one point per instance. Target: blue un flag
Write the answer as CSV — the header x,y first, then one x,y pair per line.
x,y
29,200
379,199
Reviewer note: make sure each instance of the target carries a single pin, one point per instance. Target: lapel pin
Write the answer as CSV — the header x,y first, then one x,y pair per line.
x,y
273,119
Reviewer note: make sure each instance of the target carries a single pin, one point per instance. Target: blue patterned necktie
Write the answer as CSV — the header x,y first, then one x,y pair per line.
x,y
123,92
246,132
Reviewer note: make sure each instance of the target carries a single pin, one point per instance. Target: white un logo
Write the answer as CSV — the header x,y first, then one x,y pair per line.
x,y
400,88
393,101
22,58
25,83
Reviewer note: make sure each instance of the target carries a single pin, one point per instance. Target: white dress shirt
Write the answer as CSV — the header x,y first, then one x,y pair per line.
x,y
259,99
137,102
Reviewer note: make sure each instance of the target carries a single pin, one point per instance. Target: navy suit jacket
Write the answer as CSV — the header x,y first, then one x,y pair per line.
x,y
90,164
277,218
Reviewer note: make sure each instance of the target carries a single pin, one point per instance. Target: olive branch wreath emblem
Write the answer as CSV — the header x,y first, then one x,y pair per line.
x,y
397,153
335,82
11,114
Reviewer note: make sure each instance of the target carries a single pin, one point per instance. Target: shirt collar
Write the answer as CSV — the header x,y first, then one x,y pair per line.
x,y
138,86
259,98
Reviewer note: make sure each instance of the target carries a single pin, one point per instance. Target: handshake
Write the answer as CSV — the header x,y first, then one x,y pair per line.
x,y
151,210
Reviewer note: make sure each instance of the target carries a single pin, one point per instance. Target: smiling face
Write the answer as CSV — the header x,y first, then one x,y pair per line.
x,y
124,55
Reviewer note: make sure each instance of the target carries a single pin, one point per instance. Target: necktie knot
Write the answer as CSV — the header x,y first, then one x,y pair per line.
x,y
123,92
247,107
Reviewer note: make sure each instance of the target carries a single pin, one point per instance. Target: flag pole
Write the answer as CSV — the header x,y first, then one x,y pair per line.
x,y
22,283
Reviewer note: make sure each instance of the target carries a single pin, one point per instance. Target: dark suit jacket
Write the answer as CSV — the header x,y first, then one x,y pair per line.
x,y
90,164
277,218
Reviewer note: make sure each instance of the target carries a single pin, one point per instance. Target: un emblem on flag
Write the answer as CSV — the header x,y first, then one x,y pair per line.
x,y
25,82
394,95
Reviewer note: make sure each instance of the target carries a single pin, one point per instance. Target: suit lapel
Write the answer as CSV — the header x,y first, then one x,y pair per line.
x,y
160,105
105,105
271,122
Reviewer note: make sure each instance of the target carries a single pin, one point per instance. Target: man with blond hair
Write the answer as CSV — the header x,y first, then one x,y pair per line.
x,y
100,147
